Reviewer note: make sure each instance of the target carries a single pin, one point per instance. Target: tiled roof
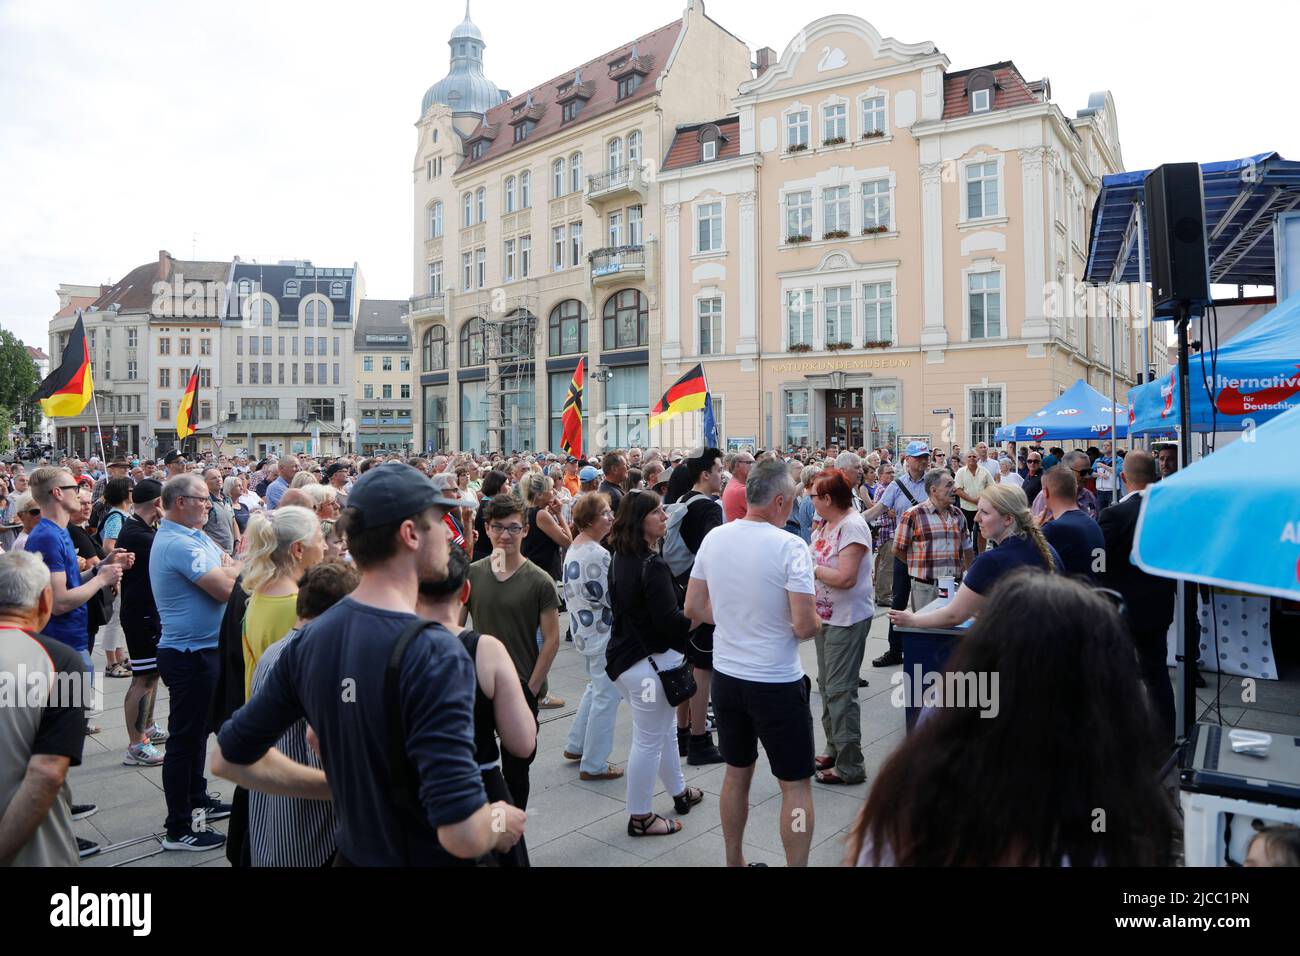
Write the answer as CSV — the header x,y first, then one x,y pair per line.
x,y
36,354
1011,90
685,148
134,291
652,52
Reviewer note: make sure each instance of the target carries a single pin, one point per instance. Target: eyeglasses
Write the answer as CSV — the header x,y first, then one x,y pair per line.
x,y
513,530
67,487
206,501
34,512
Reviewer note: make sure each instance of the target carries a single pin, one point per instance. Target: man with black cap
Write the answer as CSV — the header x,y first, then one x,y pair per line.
x,y
176,464
368,669
139,619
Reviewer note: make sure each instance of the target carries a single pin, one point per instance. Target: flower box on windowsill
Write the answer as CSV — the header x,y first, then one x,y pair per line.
x,y
838,346
875,230
882,344
874,134
797,148
836,234
797,238
800,347
834,141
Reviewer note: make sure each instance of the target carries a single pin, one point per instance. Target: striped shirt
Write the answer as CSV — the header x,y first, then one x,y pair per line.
x,y
929,541
289,831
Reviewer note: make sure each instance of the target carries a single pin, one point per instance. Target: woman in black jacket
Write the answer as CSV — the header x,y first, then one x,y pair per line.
x,y
648,624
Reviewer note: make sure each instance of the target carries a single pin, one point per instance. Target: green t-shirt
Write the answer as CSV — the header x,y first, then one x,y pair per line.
x,y
511,610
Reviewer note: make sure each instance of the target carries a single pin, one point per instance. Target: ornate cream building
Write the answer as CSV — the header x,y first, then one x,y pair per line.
x,y
857,242
872,245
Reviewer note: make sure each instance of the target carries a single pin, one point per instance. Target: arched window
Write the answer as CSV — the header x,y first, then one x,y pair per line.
x,y
627,315
266,311
336,290
615,154
467,219
435,220
525,189
517,336
575,173
510,194
245,287
291,288
471,344
480,203
557,170
435,349
634,148
568,328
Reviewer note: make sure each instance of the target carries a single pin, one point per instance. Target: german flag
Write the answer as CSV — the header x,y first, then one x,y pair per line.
x,y
70,387
187,412
688,394
571,437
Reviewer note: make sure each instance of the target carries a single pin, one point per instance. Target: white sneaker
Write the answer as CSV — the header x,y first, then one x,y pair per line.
x,y
142,755
157,735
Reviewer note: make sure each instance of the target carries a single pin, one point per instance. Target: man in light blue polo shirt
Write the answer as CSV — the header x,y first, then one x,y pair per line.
x,y
191,579
275,491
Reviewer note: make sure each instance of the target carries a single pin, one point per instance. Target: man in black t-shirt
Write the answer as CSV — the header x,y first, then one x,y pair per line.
x,y
615,468
703,514
413,799
1076,537
139,619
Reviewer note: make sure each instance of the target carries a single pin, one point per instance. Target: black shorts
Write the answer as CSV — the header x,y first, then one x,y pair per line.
x,y
699,649
142,644
777,715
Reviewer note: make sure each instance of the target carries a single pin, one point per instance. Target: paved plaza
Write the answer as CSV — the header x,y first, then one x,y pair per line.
x,y
583,823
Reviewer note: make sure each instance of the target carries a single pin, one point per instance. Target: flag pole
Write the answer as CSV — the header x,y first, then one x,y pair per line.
x,y
94,400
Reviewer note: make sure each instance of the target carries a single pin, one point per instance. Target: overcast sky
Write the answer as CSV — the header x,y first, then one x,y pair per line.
x,y
286,129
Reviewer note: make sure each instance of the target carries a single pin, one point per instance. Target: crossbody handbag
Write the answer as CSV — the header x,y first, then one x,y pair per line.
x,y
678,682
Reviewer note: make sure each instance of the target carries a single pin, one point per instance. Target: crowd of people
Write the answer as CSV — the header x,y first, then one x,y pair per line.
x,y
370,638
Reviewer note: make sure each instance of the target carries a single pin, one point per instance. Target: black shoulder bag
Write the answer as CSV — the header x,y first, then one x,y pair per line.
x,y
678,682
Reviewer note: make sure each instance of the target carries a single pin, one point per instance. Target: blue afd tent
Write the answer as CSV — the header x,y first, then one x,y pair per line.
x,y
1081,413
1255,377
1246,529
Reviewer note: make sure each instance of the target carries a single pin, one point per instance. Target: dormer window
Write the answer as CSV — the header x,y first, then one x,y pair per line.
x,y
477,150
571,110
628,85
711,139
981,87
291,288
522,130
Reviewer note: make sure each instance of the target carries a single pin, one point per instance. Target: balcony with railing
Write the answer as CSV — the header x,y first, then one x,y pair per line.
x,y
618,183
428,305
617,264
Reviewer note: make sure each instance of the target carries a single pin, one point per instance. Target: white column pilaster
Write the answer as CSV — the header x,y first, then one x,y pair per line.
x,y
934,334
748,341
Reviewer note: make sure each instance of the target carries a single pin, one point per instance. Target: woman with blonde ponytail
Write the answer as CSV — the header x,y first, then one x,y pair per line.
x,y
282,545
1005,521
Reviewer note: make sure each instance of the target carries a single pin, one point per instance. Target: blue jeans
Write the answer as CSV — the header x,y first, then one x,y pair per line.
x,y
592,733
191,679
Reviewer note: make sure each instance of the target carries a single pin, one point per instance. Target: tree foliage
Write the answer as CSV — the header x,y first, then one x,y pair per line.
x,y
18,379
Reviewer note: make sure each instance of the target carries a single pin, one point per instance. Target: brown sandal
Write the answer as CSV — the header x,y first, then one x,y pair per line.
x,y
611,773
640,826
830,777
824,763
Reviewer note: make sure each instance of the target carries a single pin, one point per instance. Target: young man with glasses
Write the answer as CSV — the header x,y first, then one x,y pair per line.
x,y
511,598
192,579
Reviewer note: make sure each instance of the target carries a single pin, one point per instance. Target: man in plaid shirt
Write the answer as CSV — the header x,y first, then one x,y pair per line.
x,y
931,538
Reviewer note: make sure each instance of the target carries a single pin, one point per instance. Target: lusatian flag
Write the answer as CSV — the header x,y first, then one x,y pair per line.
x,y
688,394
571,419
70,387
187,412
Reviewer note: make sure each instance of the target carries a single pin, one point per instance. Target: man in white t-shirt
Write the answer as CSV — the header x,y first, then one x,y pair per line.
x,y
754,582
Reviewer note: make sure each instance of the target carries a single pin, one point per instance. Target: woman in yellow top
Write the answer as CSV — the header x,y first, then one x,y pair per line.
x,y
282,545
